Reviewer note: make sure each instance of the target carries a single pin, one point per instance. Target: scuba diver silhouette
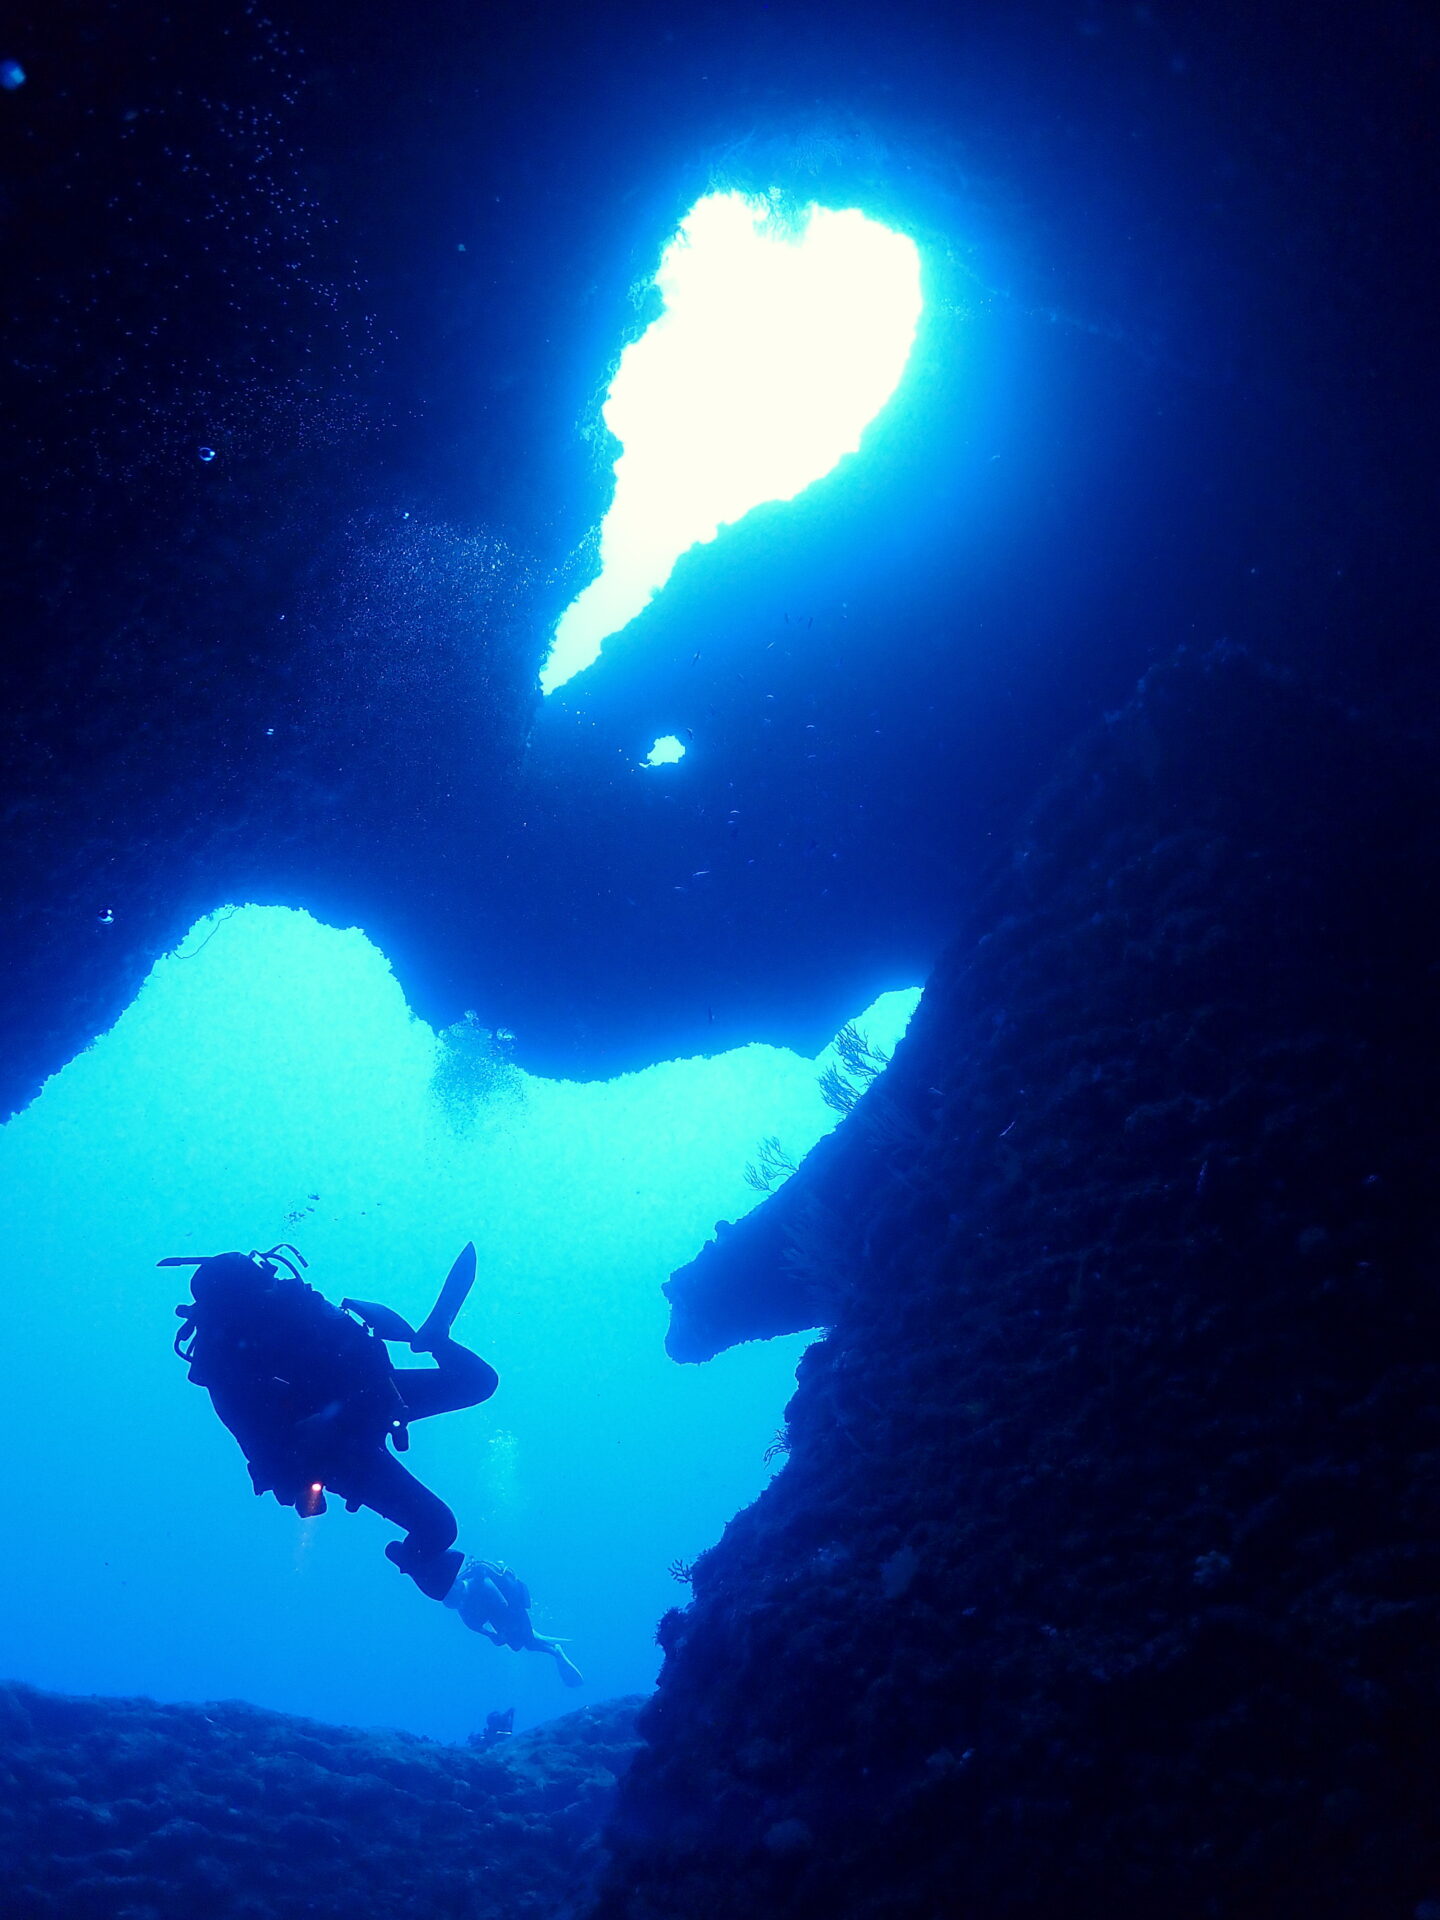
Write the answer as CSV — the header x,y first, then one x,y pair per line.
x,y
310,1392
492,1600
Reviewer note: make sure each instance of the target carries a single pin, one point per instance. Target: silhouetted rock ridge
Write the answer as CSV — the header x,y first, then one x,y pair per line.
x,y
1102,1576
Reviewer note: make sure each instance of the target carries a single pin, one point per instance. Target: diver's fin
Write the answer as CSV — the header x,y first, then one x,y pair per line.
x,y
382,1320
570,1674
453,1296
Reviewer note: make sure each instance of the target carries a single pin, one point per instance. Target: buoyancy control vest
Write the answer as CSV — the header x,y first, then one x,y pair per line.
x,y
300,1384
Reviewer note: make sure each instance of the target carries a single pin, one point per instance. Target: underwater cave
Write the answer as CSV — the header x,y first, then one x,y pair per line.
x,y
720,845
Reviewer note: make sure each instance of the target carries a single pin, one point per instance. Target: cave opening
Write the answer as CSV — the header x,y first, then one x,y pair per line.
x,y
667,751
270,1083
782,336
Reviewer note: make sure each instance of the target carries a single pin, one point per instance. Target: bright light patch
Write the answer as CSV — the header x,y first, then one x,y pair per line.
x,y
778,345
665,752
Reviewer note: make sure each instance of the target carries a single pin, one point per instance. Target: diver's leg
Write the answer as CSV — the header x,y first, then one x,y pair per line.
x,y
565,1666
427,1553
458,1379
518,1631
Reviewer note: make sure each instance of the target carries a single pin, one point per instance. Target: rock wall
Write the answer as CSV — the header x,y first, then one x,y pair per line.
x,y
1103,1575
131,1810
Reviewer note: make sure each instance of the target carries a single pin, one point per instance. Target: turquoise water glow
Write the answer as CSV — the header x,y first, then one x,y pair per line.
x,y
268,1084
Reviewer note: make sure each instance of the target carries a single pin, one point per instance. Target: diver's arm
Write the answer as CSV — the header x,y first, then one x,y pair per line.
x,y
471,1607
383,1321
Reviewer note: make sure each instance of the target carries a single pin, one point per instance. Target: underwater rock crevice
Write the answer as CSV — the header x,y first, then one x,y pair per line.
x,y
1101,1576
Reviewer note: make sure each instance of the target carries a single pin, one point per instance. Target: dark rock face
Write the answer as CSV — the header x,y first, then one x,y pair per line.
x,y
128,1808
1103,1576
1178,376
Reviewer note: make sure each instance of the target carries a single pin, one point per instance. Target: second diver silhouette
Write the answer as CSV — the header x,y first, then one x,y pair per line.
x,y
492,1600
311,1394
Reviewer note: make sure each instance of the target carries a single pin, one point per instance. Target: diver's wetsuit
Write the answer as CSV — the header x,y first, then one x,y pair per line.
x,y
314,1401
371,1476
492,1600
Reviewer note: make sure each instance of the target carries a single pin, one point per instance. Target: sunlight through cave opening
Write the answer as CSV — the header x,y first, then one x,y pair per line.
x,y
780,341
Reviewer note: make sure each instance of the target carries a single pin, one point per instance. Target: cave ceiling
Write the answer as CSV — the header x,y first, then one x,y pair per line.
x,y
379,262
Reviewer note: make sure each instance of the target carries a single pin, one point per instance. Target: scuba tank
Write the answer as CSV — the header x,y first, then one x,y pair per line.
x,y
297,1381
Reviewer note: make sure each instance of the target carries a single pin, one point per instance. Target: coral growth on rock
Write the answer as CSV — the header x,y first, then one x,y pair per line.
x,y
1103,1574
131,1810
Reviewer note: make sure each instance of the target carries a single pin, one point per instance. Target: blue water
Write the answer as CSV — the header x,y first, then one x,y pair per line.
x,y
308,457
270,1083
